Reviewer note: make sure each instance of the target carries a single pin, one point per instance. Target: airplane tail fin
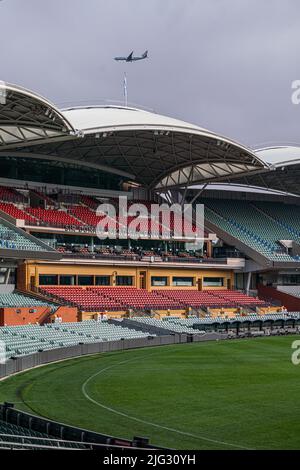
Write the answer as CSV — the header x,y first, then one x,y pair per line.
x,y
145,54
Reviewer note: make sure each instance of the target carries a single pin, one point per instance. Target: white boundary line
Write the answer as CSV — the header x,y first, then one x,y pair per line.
x,y
139,420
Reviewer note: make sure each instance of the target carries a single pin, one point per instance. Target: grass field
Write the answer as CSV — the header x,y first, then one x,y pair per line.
x,y
214,395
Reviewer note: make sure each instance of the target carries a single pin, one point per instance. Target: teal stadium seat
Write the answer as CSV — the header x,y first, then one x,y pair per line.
x,y
28,339
246,222
12,239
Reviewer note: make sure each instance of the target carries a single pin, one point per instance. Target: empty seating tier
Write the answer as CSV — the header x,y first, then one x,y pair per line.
x,y
173,325
18,437
253,227
11,195
55,218
86,215
286,215
101,299
84,299
83,215
194,325
16,213
29,339
196,299
211,298
90,202
15,299
14,239
131,297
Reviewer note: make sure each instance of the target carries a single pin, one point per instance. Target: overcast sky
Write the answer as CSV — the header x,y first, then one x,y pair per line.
x,y
226,65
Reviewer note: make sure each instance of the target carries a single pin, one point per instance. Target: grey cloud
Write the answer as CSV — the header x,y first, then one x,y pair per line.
x,y
224,64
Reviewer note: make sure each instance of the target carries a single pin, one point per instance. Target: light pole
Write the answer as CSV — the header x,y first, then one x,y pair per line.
x,y
125,89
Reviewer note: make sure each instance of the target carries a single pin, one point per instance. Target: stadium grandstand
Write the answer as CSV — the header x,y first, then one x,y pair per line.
x,y
58,166
66,291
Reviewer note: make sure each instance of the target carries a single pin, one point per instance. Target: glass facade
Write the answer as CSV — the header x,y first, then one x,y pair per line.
x,y
124,280
60,173
183,281
85,280
67,280
48,280
159,281
213,282
102,280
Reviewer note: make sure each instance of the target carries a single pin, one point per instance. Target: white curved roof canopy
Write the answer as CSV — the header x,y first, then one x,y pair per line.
x,y
93,118
279,156
284,163
156,151
26,117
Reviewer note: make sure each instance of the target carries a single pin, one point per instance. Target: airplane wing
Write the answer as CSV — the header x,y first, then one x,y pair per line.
x,y
130,56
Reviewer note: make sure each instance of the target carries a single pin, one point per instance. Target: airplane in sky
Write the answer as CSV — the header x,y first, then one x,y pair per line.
x,y
132,58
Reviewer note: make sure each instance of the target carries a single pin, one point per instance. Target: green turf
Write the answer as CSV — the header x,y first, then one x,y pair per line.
x,y
233,393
